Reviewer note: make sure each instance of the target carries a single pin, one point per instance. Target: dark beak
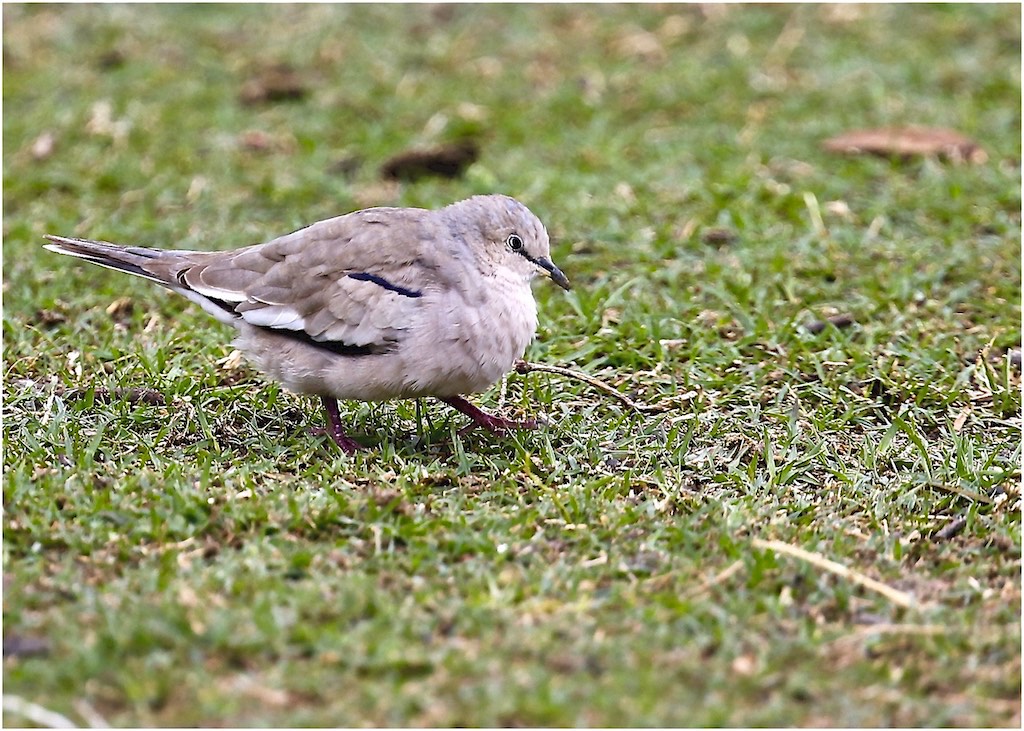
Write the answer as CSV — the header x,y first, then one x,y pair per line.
x,y
556,274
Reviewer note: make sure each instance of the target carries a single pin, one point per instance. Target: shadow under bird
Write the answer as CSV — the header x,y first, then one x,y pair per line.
x,y
377,304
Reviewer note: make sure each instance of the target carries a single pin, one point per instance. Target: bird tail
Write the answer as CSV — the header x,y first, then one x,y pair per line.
x,y
152,264
167,268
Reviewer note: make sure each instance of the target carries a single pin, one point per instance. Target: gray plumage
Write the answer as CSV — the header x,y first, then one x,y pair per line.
x,y
377,304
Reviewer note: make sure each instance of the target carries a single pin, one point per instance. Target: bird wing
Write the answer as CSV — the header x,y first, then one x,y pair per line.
x,y
355,281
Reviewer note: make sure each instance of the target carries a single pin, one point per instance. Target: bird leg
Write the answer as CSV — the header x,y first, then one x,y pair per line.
x,y
347,444
487,421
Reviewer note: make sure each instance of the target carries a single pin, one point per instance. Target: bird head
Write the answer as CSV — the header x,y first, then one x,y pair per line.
x,y
513,236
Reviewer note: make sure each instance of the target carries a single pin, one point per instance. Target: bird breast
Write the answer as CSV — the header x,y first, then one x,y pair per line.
x,y
472,340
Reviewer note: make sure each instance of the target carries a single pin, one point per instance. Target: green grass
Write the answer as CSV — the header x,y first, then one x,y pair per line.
x,y
210,561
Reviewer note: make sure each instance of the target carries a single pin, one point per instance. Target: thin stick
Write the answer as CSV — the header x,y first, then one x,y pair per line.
x,y
100,395
35,713
951,529
110,395
90,714
722,576
894,595
523,368
925,630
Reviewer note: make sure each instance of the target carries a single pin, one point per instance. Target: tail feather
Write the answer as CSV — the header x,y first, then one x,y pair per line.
x,y
163,267
130,259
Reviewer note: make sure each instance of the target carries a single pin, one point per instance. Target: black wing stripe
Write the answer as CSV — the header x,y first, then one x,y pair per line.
x,y
382,282
332,346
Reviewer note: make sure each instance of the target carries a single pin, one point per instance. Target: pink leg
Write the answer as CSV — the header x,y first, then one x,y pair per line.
x,y
487,421
348,445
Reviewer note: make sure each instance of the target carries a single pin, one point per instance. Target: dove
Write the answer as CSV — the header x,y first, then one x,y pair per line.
x,y
377,304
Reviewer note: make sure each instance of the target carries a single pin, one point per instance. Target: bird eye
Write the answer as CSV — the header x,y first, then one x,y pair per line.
x,y
515,242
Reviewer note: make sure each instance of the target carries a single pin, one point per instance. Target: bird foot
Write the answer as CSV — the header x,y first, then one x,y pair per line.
x,y
347,444
335,430
488,421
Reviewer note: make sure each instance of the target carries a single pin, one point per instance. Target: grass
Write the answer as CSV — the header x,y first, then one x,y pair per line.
x,y
210,561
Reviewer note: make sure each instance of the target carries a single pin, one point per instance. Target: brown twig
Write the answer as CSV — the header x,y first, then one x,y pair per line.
x,y
920,630
522,367
894,595
722,576
951,529
110,395
100,394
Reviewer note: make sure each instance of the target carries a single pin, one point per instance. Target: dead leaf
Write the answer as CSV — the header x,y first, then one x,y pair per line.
x,y
102,123
625,192
839,321
718,236
640,44
254,139
961,419
593,86
40,472
708,318
446,161
346,166
49,318
744,665
260,141
839,208
674,26
911,141
121,308
24,646
195,188
276,83
42,146
384,193
111,59
234,361
611,316
472,112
